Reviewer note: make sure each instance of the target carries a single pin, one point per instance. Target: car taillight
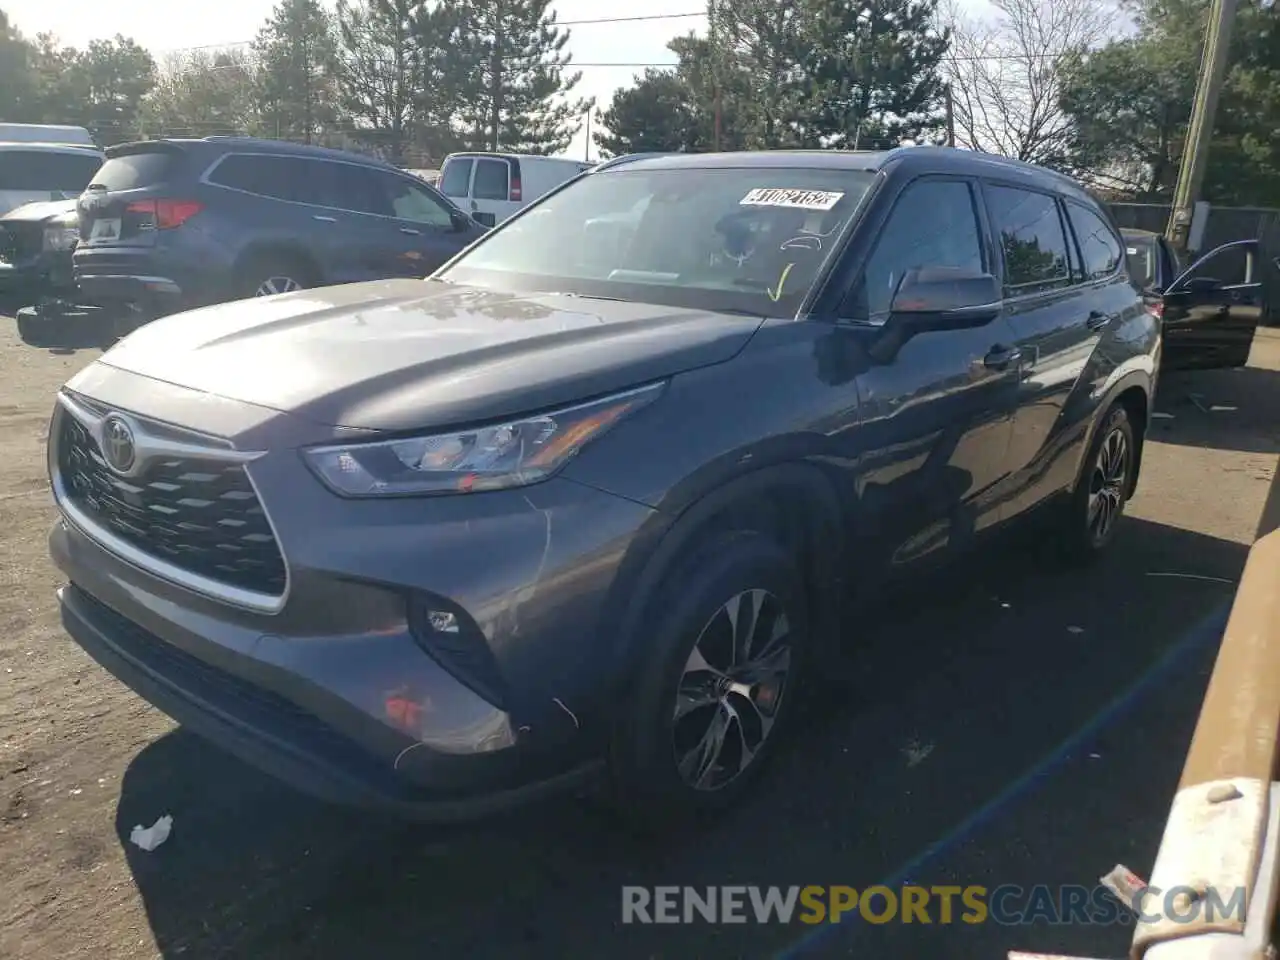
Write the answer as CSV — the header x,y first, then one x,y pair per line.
x,y
515,192
166,214
1156,309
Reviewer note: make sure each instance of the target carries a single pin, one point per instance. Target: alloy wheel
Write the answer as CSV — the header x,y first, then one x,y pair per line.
x,y
732,686
1107,483
274,285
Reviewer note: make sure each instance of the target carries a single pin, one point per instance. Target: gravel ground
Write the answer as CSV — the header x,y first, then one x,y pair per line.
x,y
992,736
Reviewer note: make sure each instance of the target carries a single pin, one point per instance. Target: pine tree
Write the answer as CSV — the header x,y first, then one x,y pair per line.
x,y
297,55
761,52
507,77
378,69
873,70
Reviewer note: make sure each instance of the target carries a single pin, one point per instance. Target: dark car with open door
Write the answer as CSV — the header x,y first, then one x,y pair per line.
x,y
1210,310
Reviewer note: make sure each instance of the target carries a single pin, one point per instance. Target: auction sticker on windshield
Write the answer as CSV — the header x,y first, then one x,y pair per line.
x,y
800,199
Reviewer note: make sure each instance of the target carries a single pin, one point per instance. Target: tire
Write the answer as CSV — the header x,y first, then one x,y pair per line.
x,y
689,618
274,273
1106,481
36,331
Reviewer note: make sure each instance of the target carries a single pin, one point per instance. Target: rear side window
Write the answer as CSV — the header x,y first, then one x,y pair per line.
x,y
491,180
1099,245
136,171
347,186
280,178
40,170
1031,239
456,178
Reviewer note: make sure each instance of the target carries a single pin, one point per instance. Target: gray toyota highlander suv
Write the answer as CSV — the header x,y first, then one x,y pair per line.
x,y
588,500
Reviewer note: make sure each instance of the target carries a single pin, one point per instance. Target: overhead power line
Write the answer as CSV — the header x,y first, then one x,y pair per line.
x,y
559,23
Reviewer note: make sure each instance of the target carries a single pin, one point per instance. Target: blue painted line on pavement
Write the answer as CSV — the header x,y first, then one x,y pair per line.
x,y
1208,630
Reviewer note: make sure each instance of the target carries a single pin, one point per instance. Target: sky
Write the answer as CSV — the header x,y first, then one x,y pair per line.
x,y
157,26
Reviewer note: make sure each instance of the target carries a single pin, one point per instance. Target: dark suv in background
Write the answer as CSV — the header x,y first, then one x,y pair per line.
x,y
172,224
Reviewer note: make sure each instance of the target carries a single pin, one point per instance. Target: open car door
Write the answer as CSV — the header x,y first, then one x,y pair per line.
x,y
1211,311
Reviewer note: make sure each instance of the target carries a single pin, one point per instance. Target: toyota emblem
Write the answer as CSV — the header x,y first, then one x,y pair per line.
x,y
118,447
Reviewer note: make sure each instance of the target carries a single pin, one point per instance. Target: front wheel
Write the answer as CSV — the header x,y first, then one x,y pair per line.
x,y
717,686
1100,496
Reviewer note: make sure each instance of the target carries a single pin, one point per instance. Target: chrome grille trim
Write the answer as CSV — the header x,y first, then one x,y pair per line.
x,y
153,444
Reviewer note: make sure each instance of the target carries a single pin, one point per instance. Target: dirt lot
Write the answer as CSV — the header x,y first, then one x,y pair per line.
x,y
1033,735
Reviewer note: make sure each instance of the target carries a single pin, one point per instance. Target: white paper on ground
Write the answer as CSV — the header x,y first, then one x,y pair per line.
x,y
148,838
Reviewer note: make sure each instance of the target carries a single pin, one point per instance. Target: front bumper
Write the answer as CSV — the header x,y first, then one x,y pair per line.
x,y
342,691
268,731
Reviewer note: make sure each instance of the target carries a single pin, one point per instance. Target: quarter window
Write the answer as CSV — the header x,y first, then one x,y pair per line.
x,y
1031,240
281,178
933,224
1098,244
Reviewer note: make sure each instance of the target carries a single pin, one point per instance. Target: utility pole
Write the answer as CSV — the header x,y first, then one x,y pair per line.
x,y
715,70
586,153
951,116
1213,69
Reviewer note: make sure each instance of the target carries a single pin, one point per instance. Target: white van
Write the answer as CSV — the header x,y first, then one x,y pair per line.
x,y
31,172
45,133
493,186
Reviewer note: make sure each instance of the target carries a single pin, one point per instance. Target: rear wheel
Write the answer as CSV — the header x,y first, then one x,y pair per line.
x,y
273,274
728,648
1090,522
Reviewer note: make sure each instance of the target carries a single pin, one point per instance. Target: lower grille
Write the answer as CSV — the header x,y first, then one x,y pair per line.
x,y
202,516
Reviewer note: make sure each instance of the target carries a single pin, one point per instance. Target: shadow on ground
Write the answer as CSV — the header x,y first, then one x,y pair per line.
x,y
1220,409
944,704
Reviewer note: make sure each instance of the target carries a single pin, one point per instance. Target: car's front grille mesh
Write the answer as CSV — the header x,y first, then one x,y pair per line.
x,y
20,241
201,516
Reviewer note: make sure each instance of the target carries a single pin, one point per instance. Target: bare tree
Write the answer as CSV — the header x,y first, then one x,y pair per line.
x,y
1006,73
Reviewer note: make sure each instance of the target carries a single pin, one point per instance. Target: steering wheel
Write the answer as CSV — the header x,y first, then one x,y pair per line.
x,y
739,242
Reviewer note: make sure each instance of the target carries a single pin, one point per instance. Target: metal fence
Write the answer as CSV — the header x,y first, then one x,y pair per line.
x,y
1224,225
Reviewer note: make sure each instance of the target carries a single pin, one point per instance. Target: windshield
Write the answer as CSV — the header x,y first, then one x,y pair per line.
x,y
1141,253
740,239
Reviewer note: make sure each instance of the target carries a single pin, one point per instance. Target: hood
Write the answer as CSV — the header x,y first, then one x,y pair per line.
x,y
421,354
42,210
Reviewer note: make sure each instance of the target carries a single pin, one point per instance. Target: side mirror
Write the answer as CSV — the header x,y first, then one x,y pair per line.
x,y
934,299
945,298
461,222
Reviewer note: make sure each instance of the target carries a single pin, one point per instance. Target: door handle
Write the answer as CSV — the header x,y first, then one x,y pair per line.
x,y
324,219
411,233
1001,357
1097,320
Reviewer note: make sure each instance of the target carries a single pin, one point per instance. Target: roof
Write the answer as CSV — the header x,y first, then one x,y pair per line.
x,y
516,156
915,159
257,145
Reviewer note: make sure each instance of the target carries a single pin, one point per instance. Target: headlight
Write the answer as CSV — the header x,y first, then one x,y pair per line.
x,y
61,235
512,454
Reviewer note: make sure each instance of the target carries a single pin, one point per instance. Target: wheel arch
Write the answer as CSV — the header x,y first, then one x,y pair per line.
x,y
283,249
796,502
1133,392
